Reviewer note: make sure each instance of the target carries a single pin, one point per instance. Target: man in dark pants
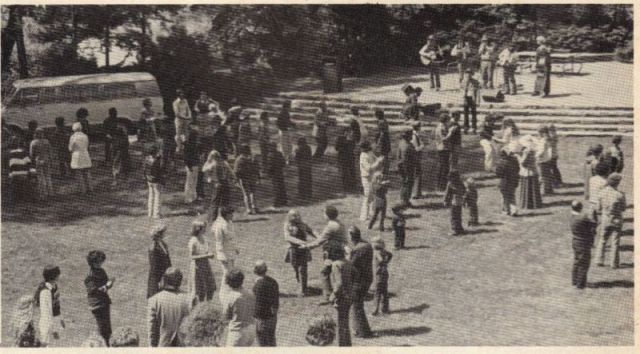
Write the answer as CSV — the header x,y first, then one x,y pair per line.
x,y
110,125
361,259
98,284
470,100
267,304
383,139
583,230
322,123
406,167
342,281
454,140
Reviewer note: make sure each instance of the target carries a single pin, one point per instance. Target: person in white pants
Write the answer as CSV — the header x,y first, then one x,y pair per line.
x,y
369,164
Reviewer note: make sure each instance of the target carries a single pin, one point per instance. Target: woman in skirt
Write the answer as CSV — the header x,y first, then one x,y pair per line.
x,y
296,232
202,284
530,197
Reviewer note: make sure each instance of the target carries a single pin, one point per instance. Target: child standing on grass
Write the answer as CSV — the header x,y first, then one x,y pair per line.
x,y
48,299
154,175
471,200
398,222
379,189
453,198
381,259
98,284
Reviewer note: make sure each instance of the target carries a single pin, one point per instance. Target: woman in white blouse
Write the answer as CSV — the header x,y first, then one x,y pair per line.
x,y
80,159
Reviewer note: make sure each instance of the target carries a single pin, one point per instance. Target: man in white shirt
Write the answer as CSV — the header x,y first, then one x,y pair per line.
x,y
225,239
183,117
369,164
418,144
487,52
508,59
461,51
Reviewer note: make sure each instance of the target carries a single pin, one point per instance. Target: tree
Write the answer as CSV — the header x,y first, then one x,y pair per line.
x,y
13,35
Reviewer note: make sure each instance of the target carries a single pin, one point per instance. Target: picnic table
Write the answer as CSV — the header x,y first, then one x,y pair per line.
x,y
568,62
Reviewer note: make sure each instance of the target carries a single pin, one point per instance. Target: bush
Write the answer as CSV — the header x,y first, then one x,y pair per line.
x,y
625,54
203,327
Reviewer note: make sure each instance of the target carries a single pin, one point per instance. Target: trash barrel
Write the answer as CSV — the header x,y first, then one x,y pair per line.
x,y
331,75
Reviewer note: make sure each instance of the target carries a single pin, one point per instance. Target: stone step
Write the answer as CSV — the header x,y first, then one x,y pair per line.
x,y
347,102
572,120
585,127
582,133
309,117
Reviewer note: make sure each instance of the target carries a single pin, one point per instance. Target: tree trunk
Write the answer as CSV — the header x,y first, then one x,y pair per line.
x,y
143,41
107,45
22,52
9,39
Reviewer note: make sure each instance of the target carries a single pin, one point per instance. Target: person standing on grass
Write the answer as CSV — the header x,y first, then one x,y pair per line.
x,y
342,295
245,134
41,155
60,144
21,170
264,138
454,140
596,184
221,176
225,237
98,285
369,165
454,198
334,235
418,144
191,164
583,230
616,156
530,197
267,295
168,143
147,132
508,59
443,148
247,172
182,114
110,127
381,259
345,148
398,223
612,204
23,329
489,152
594,157
285,130
508,169
487,63
221,141
553,163
383,139
302,159
379,188
462,53
238,307
48,299
154,175
80,158
321,125
81,117
543,68
202,283
159,259
543,160
406,167
277,164
121,157
470,200
470,101
166,310
296,232
362,259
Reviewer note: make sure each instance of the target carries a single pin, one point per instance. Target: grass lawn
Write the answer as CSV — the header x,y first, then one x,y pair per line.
x,y
505,283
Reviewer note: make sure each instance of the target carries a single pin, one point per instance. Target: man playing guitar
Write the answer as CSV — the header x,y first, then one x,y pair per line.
x,y
431,56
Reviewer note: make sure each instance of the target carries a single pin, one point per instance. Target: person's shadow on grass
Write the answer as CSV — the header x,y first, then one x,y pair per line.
x,y
414,309
611,284
404,331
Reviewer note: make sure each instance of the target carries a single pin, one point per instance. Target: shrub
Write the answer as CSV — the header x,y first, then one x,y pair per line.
x,y
203,327
625,54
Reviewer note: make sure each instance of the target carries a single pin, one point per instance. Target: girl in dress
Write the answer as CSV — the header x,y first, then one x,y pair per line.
x,y
489,152
202,284
530,197
80,158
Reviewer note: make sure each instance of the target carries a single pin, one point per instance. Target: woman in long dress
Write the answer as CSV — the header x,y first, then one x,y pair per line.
x,y
202,284
530,197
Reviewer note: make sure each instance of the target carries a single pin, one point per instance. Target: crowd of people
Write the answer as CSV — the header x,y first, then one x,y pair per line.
x,y
215,148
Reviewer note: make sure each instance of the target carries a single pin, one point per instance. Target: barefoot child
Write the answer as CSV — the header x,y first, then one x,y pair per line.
x,y
379,188
453,198
398,222
471,200
381,259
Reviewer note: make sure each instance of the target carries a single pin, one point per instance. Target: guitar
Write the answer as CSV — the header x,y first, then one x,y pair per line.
x,y
431,57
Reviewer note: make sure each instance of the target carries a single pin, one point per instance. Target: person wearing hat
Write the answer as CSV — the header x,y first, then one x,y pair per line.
x,y
47,297
182,114
166,310
159,259
369,165
543,68
583,229
470,100
431,51
407,160
487,53
508,59
462,52
80,158
612,203
285,130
